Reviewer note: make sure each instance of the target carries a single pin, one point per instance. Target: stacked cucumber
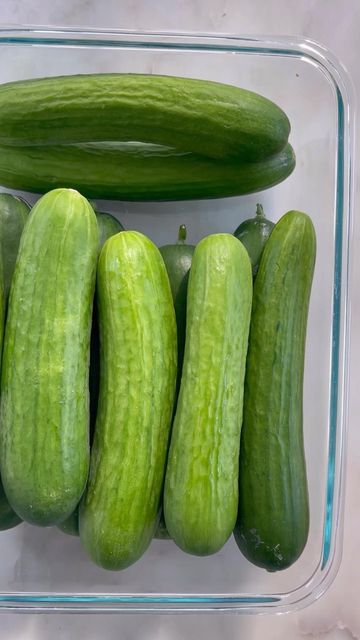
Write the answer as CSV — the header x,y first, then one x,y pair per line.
x,y
149,392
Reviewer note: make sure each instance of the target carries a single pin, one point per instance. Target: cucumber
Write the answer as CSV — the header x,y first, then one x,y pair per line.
x,y
177,259
161,532
209,118
201,485
44,453
254,233
108,225
121,507
71,524
273,520
140,172
8,517
13,214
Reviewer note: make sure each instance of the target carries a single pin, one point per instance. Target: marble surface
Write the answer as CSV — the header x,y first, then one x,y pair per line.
x,y
336,616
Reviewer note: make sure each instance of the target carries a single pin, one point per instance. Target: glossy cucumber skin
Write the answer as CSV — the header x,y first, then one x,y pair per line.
x,y
71,524
108,226
201,485
273,519
121,507
138,172
13,214
44,438
177,259
209,118
254,233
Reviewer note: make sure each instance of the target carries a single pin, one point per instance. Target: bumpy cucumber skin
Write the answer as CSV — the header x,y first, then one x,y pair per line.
x,y
13,215
44,396
273,519
121,507
138,172
201,485
209,118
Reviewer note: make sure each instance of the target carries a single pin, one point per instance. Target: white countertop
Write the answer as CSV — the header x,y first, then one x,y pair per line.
x,y
335,23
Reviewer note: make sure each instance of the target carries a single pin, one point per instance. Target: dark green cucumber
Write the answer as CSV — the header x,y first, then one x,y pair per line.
x,y
273,519
209,118
201,486
8,517
253,233
44,453
108,226
161,532
71,524
121,507
136,171
13,214
177,259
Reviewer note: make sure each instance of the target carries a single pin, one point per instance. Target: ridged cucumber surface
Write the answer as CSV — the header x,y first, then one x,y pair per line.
x,y
137,171
273,519
201,486
121,507
44,386
209,118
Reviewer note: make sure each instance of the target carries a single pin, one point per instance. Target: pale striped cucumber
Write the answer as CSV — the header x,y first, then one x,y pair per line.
x,y
44,387
201,487
121,507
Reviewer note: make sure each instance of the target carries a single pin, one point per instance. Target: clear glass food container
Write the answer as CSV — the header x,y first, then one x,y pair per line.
x,y
46,570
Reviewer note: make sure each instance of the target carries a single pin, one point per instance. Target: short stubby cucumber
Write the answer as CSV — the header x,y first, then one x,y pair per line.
x,y
120,510
209,118
201,485
44,433
254,233
177,259
273,520
13,214
136,171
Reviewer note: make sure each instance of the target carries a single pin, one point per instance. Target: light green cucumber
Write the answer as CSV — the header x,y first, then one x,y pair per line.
x,y
121,507
108,226
273,520
201,486
44,454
